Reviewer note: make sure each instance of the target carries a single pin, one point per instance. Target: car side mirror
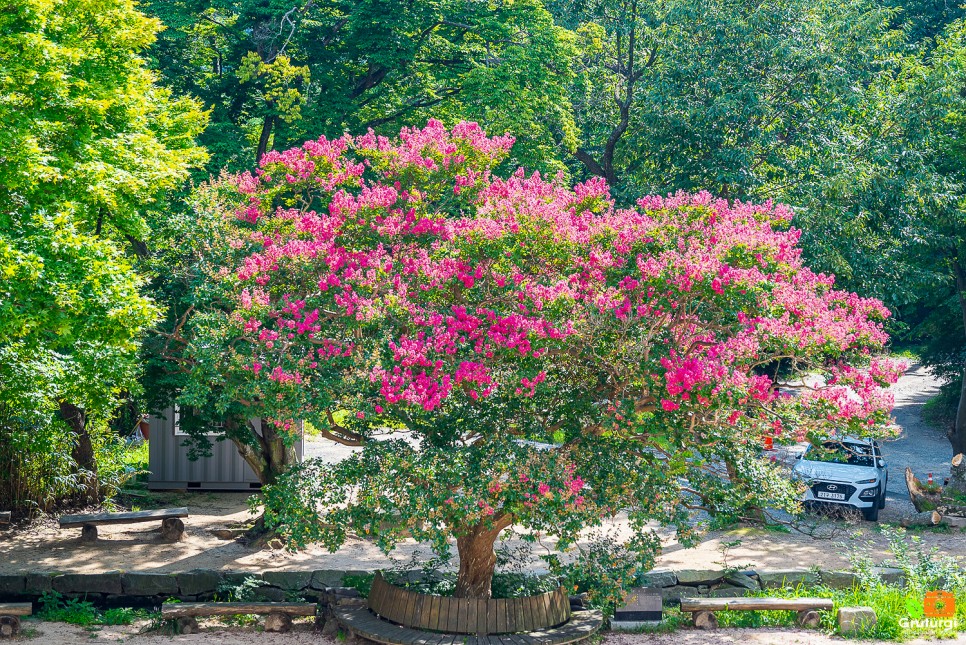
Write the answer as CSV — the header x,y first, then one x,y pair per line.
x,y
882,463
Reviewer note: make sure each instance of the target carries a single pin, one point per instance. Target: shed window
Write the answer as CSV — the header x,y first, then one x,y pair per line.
x,y
216,428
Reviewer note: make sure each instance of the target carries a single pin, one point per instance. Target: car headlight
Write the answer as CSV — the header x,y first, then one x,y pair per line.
x,y
867,481
870,492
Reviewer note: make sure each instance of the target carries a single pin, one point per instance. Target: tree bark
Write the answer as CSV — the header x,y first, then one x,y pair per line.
x,y
82,451
958,434
264,137
269,457
478,559
957,474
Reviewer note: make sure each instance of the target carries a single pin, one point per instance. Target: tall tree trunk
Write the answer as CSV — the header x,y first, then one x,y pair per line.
x,y
82,451
478,559
269,457
958,435
264,137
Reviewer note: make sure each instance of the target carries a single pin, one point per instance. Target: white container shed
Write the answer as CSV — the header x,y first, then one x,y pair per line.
x,y
172,470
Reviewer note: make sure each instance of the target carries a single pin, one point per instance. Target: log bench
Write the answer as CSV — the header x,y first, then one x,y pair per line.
x,y
278,614
172,528
10,613
702,609
398,616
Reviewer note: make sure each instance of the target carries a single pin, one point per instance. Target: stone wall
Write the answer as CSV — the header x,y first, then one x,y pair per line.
x,y
142,589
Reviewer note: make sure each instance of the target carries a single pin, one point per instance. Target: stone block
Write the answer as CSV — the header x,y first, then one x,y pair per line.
x,y
853,620
743,579
85,583
199,582
325,578
39,583
270,594
838,579
150,584
12,585
695,577
288,580
891,576
674,594
727,591
660,578
788,578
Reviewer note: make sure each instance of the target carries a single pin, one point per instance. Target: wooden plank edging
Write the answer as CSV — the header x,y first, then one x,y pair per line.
x,y
195,609
754,604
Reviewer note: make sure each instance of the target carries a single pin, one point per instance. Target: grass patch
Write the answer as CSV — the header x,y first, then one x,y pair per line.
x,y
55,608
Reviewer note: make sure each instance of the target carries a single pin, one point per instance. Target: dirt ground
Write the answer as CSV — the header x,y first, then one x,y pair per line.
x,y
62,634
44,547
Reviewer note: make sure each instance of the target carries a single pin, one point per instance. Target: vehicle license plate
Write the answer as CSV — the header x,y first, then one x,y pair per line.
x,y
825,495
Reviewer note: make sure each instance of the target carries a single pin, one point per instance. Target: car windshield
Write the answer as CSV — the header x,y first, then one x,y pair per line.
x,y
841,452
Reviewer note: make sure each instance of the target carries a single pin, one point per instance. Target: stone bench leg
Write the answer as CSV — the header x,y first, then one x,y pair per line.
x,y
172,530
808,618
704,619
278,622
187,625
9,626
88,533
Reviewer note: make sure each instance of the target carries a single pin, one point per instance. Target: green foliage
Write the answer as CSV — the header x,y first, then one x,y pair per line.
x,y
55,608
285,72
241,590
91,144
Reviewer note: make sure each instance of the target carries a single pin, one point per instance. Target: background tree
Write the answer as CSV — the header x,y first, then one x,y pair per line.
x,y
276,73
489,340
89,143
735,98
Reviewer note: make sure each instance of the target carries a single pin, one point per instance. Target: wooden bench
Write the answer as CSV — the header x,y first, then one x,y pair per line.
x,y
278,614
702,609
10,613
398,616
172,528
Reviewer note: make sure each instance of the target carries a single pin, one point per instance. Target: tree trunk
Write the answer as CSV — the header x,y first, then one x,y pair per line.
x,y
957,474
264,137
82,451
478,559
958,435
269,457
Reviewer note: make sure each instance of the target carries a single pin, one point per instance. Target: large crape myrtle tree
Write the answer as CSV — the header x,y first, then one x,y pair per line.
x,y
513,352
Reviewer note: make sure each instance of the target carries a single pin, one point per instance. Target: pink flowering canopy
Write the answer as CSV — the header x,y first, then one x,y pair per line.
x,y
514,351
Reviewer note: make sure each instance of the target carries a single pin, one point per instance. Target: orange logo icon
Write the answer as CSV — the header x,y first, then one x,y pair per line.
x,y
939,604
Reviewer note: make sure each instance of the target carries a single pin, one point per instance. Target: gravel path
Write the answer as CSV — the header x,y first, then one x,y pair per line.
x,y
62,634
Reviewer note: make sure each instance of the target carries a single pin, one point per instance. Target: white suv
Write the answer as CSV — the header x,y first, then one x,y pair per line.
x,y
847,471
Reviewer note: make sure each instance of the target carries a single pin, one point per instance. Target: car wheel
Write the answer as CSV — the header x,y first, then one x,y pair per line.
x,y
882,499
871,513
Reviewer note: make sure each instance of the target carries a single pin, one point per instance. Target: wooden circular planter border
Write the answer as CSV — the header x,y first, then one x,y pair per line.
x,y
468,615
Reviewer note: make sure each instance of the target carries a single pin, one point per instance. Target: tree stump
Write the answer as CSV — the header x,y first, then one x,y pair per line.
x,y
278,622
957,475
808,618
88,533
188,625
172,530
704,620
9,626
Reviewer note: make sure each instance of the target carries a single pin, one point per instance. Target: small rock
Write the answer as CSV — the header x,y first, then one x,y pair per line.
x,y
280,623
853,620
